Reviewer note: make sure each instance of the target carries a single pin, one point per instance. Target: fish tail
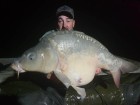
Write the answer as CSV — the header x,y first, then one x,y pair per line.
x,y
135,65
126,67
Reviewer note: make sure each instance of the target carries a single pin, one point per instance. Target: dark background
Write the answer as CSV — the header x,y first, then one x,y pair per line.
x,y
115,23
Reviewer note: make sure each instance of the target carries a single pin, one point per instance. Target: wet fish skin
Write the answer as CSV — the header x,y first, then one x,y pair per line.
x,y
74,57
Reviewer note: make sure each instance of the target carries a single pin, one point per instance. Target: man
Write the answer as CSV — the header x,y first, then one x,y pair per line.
x,y
65,19
65,16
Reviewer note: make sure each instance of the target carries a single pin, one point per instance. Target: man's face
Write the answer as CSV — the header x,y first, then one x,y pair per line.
x,y
65,23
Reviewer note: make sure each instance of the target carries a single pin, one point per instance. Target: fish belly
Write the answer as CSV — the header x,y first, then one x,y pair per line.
x,y
81,69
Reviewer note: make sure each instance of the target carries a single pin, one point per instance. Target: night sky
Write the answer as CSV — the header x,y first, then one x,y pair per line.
x,y
115,23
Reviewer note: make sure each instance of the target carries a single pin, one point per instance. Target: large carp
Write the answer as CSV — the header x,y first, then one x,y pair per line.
x,y
74,57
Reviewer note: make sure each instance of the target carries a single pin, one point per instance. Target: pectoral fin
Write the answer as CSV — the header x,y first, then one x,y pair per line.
x,y
80,91
63,78
116,76
49,75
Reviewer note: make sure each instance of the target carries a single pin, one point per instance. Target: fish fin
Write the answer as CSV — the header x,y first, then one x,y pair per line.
x,y
128,67
116,77
63,78
49,75
80,91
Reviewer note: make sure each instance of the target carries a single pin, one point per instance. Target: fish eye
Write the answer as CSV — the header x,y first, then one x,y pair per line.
x,y
31,56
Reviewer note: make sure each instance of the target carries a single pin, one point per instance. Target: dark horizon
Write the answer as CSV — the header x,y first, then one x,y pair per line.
x,y
116,24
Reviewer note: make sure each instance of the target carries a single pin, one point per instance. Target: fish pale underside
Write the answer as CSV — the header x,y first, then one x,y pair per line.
x,y
74,57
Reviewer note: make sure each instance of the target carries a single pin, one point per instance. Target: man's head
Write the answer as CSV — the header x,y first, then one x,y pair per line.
x,y
65,16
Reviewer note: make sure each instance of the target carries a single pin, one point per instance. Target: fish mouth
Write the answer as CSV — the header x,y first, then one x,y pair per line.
x,y
17,67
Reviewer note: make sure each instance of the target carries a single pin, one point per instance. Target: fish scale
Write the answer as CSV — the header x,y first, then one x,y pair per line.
x,y
74,57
